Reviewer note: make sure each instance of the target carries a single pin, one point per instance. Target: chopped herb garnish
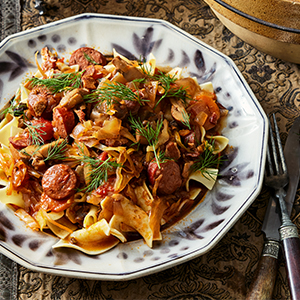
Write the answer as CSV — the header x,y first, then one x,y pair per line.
x,y
89,59
207,160
186,118
59,82
163,158
110,92
99,170
15,108
35,133
148,132
56,150
166,82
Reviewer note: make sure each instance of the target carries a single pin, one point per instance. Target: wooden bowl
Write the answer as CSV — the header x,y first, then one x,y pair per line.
x,y
271,26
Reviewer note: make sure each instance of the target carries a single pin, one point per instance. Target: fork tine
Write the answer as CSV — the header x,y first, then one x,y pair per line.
x,y
280,149
273,147
269,164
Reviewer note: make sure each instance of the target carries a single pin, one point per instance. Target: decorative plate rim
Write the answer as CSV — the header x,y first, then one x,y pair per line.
x,y
225,226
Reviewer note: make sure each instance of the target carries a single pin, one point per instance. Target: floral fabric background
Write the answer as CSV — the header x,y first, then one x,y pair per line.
x,y
226,271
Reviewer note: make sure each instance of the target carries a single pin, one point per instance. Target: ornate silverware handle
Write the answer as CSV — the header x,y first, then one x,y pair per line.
x,y
264,278
291,249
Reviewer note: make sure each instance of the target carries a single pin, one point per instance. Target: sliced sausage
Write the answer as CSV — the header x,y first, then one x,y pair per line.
x,y
168,176
21,140
41,102
50,204
63,122
59,182
86,56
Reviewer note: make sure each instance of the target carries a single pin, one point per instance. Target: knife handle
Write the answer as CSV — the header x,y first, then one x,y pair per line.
x,y
262,285
291,249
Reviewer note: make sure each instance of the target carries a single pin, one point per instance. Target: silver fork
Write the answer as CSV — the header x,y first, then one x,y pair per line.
x,y
277,178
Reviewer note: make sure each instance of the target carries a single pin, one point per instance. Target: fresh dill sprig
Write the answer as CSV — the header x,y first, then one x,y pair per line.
x,y
162,157
166,82
99,170
89,59
59,82
15,108
148,132
56,151
186,117
207,160
35,133
110,92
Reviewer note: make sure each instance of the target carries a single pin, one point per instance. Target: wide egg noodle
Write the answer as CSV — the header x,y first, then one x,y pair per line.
x,y
207,177
175,73
91,217
14,198
116,54
194,193
134,217
107,207
219,143
206,86
156,214
8,128
144,197
149,66
56,222
115,224
61,227
79,197
42,218
93,240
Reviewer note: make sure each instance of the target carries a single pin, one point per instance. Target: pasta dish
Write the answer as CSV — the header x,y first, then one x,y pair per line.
x,y
99,150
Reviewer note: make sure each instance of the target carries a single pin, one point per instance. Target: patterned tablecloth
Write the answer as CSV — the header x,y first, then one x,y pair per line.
x,y
226,271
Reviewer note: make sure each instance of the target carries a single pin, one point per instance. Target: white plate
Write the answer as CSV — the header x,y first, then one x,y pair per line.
x,y
242,174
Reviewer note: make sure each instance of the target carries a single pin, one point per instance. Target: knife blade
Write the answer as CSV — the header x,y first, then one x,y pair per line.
x,y
264,278
292,155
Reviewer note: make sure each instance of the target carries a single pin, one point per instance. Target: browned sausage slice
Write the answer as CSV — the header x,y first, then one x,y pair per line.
x,y
86,56
59,182
63,122
41,102
168,176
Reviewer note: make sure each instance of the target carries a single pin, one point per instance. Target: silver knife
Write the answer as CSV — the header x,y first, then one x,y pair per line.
x,y
292,154
264,279
288,231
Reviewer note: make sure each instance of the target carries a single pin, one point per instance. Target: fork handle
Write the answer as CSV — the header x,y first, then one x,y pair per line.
x,y
291,249
262,285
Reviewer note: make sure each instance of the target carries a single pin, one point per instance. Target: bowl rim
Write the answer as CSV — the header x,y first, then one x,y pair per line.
x,y
255,19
